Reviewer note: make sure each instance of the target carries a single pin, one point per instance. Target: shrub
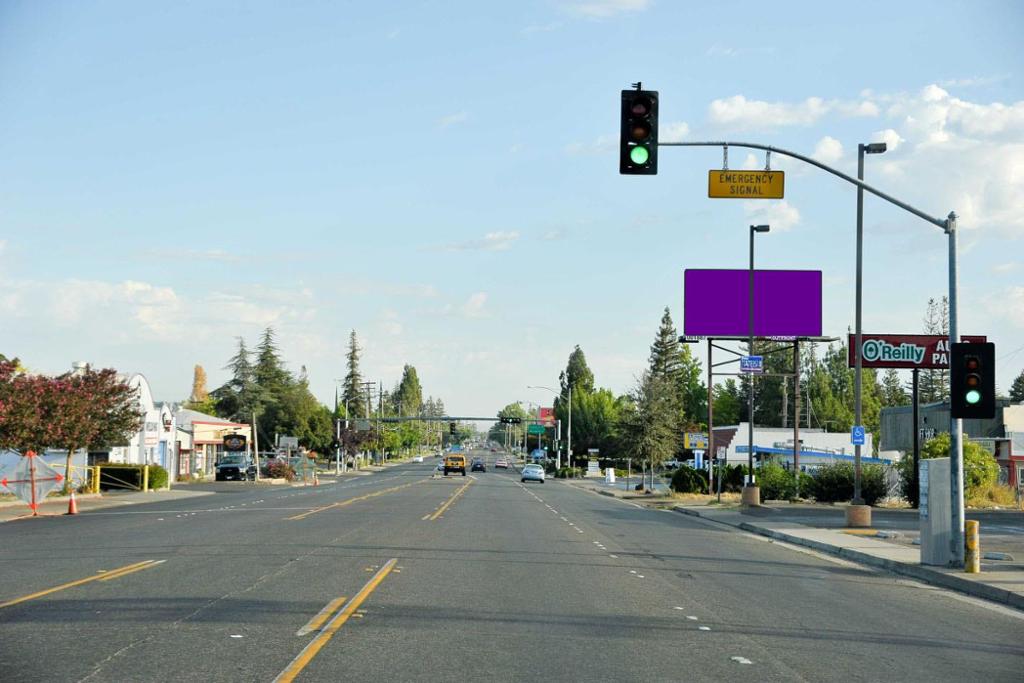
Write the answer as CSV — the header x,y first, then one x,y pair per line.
x,y
281,470
981,470
158,477
688,480
834,483
993,495
568,473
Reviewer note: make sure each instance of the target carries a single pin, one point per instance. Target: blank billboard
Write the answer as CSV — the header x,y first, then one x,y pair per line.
x,y
787,303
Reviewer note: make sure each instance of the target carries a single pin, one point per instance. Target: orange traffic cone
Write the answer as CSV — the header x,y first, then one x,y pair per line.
x,y
72,504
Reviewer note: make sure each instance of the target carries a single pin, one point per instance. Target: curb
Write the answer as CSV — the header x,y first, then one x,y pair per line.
x,y
50,500
921,573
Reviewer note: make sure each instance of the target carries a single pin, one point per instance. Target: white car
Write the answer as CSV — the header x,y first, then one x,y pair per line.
x,y
417,458
532,473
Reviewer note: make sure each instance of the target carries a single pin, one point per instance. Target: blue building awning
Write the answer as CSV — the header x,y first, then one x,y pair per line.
x,y
840,457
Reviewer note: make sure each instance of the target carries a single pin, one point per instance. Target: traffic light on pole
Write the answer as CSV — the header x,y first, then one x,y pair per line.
x,y
451,428
972,380
638,142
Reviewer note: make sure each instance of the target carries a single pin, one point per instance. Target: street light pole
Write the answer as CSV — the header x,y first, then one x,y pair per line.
x,y
862,149
753,495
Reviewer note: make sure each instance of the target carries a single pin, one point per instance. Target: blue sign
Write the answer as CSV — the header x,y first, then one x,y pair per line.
x,y
752,364
857,435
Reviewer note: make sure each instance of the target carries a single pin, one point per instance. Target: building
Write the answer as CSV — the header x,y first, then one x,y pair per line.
x,y
1003,435
817,447
199,441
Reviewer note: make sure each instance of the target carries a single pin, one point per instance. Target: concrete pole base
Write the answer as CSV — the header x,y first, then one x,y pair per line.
x,y
858,516
751,496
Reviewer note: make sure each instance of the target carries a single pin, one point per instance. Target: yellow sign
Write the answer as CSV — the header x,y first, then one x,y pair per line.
x,y
746,184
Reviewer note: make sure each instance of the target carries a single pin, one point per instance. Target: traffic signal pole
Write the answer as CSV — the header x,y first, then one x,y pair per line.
x,y
949,226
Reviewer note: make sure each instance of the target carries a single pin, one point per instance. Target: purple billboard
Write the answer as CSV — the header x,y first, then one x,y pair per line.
x,y
787,303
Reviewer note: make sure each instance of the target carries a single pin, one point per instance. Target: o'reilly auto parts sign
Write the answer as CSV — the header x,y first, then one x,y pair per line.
x,y
924,351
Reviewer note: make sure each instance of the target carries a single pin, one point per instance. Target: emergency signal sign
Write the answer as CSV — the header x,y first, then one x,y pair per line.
x,y
746,184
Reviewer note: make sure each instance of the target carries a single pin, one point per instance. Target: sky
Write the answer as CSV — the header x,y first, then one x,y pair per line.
x,y
442,177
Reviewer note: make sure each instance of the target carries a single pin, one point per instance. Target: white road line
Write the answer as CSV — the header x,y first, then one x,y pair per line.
x,y
741,660
690,616
703,628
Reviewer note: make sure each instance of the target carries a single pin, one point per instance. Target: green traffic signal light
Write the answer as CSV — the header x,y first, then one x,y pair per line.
x,y
639,155
972,396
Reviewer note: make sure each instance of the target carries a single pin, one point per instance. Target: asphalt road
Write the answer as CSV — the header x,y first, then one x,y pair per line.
x,y
462,578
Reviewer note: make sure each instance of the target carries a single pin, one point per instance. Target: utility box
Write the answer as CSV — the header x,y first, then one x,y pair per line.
x,y
609,475
934,510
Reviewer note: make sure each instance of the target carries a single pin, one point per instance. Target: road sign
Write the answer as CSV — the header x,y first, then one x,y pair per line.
x,y
752,364
535,429
922,351
746,184
857,435
288,442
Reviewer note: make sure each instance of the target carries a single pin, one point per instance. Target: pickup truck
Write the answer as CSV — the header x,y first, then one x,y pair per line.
x,y
235,466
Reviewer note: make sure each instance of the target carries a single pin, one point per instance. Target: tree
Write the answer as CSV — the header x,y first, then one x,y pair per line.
x,y
94,410
27,404
933,385
199,392
980,467
893,393
1017,389
353,395
240,397
728,403
675,362
653,428
577,374
409,395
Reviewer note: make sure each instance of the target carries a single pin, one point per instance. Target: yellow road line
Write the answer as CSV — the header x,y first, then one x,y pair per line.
x,y
112,574
451,500
310,651
349,501
118,574
321,616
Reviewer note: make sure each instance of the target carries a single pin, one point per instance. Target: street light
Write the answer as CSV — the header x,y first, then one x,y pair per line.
x,y
752,494
862,149
568,457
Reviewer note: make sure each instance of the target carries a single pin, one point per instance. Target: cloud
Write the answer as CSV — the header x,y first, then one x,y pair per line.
x,y
452,119
216,255
553,235
717,50
676,131
389,323
474,306
394,33
602,9
740,113
492,241
602,145
781,216
973,81
890,137
828,150
1006,267
1007,305
542,28
3,246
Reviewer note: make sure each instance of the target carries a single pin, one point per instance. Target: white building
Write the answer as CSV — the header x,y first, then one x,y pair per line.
x,y
816,446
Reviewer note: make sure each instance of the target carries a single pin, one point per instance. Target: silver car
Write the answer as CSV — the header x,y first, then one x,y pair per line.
x,y
533,473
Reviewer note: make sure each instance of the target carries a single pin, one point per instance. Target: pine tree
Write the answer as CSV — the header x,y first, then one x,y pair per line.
x,y
353,396
240,397
409,394
664,359
893,393
577,374
1017,389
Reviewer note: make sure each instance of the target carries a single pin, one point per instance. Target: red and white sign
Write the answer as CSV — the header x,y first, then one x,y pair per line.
x,y
923,351
547,416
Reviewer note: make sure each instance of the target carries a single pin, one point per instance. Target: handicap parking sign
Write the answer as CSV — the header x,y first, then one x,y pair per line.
x,y
857,435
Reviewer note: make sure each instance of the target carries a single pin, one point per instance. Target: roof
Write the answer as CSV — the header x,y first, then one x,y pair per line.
x,y
845,457
186,416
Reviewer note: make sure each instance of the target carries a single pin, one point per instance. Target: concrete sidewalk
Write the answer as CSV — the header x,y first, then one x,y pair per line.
x,y
58,505
997,582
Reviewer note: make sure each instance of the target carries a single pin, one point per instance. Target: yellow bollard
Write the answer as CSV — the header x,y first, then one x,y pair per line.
x,y
972,540
145,477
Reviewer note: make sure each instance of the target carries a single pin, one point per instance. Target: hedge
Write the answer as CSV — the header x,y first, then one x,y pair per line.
x,y
834,483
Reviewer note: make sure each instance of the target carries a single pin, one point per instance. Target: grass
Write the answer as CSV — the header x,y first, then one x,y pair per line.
x,y
995,496
705,498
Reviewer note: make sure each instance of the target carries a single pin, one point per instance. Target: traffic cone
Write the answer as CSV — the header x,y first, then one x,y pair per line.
x,y
72,504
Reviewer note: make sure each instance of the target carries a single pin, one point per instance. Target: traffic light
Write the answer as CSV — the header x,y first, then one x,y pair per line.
x,y
972,380
451,428
511,420
638,144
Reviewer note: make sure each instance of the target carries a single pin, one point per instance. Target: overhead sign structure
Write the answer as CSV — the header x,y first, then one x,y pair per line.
x,y
716,303
727,184
752,364
857,435
907,351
